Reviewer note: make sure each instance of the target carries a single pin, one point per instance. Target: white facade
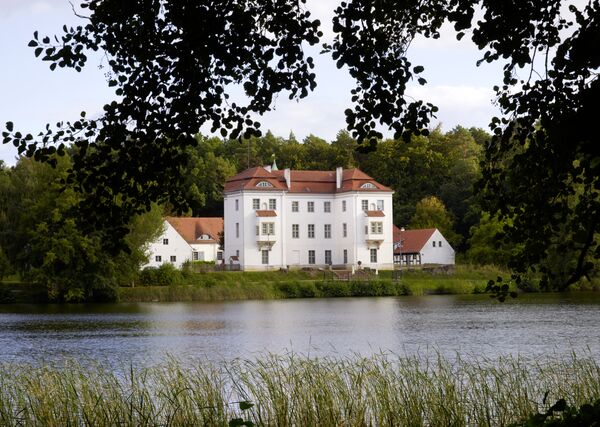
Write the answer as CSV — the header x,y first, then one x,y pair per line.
x,y
335,231
437,250
173,247
169,247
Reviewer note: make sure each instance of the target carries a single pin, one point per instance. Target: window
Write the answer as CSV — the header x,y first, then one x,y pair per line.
x,y
237,229
265,257
272,204
194,256
326,206
328,257
366,229
219,255
237,204
327,231
173,258
165,241
158,258
440,243
345,256
345,230
311,231
268,228
310,207
433,243
379,205
368,185
257,230
237,253
295,231
256,204
377,228
311,257
295,207
343,206
365,205
264,184
373,255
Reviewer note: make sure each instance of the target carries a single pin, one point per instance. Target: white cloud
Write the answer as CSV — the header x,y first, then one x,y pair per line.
x,y
459,104
40,7
460,96
30,6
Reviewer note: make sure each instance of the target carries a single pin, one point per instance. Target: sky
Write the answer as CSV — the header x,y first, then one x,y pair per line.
x,y
31,95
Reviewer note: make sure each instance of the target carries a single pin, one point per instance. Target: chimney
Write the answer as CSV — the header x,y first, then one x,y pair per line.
x,y
339,171
267,168
288,177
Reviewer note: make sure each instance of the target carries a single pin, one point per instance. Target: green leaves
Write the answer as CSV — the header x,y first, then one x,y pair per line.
x,y
239,422
245,405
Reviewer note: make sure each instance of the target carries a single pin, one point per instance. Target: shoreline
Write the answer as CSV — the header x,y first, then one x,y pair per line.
x,y
240,286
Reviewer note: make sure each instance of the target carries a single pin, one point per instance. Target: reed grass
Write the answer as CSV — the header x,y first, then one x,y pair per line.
x,y
292,390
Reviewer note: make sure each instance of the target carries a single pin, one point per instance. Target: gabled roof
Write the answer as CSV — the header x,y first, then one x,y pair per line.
x,y
193,228
412,240
303,181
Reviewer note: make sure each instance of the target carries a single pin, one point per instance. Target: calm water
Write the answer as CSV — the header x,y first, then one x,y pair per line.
x,y
144,333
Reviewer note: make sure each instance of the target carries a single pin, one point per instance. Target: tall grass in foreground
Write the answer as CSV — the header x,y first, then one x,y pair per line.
x,y
295,391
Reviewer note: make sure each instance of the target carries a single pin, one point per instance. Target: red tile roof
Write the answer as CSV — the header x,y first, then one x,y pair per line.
x,y
192,228
303,181
249,178
412,240
265,213
374,213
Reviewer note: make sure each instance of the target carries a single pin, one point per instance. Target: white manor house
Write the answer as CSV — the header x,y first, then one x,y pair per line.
x,y
287,218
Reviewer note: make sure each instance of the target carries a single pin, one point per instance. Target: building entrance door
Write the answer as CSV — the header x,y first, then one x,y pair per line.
x,y
295,258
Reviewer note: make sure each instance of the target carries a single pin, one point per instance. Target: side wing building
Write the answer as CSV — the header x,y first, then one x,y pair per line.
x,y
186,239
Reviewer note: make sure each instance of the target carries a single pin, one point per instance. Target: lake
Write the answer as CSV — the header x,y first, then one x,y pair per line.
x,y
472,326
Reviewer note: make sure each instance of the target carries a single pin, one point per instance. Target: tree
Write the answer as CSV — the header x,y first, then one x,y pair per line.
x,y
204,177
173,62
5,268
548,98
43,241
487,244
173,65
431,213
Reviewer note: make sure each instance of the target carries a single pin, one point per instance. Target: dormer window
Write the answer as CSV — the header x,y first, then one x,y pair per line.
x,y
264,184
368,186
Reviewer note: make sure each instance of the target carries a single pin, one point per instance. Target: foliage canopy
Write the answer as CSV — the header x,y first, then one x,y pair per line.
x,y
173,64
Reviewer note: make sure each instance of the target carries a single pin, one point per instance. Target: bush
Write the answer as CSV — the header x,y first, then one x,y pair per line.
x,y
165,275
297,289
334,289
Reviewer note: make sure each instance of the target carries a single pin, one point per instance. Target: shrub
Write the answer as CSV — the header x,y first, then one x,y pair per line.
x,y
334,289
289,289
165,275
307,290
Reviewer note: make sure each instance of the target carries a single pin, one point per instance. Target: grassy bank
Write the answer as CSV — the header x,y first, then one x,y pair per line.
x,y
217,286
221,286
295,391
